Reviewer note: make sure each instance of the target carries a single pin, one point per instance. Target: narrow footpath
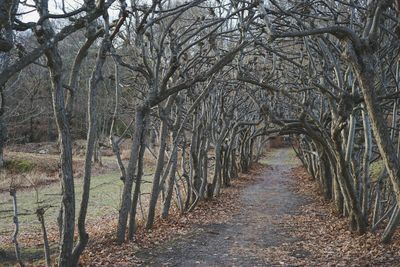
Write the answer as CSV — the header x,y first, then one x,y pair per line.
x,y
244,239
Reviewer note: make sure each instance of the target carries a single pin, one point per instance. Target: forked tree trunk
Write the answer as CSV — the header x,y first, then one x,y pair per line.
x,y
358,222
170,185
54,63
174,166
155,190
90,147
138,182
130,175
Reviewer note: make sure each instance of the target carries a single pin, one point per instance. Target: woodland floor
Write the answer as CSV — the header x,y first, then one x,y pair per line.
x,y
242,240
277,224
271,216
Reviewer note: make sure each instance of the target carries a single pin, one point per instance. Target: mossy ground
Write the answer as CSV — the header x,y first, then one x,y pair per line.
x,y
19,165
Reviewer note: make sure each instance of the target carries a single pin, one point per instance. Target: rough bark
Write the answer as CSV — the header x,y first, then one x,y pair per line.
x,y
90,146
68,195
138,182
155,190
130,174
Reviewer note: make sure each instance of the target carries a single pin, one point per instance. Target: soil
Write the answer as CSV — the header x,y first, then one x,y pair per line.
x,y
271,216
243,240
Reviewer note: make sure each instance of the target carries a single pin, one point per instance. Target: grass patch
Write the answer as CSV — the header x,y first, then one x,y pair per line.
x,y
7,255
266,158
19,165
104,201
270,157
376,169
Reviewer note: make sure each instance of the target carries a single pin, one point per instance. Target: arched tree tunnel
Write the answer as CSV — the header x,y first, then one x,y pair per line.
x,y
202,86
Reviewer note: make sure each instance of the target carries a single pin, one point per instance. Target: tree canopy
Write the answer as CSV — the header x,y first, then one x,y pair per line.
x,y
207,79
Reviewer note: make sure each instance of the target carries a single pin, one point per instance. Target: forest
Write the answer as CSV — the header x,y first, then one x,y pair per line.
x,y
199,132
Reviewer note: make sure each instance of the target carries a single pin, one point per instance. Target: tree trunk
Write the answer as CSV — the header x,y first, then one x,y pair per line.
x,y
46,246
392,225
3,138
90,146
326,177
138,182
364,66
13,194
130,175
54,63
366,162
358,223
170,185
157,174
216,184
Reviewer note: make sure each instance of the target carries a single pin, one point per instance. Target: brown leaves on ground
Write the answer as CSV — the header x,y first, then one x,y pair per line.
x,y
323,238
103,250
320,237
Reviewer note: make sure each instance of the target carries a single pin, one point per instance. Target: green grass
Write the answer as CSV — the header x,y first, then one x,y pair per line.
x,y
7,257
104,200
104,196
19,165
271,159
376,169
292,157
266,158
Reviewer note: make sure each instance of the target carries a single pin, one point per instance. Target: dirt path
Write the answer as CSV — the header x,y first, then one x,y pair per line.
x,y
241,241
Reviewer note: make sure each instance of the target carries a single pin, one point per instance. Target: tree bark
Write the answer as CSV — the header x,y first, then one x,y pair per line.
x,y
363,63
126,200
138,181
155,190
54,63
90,146
46,246
13,194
